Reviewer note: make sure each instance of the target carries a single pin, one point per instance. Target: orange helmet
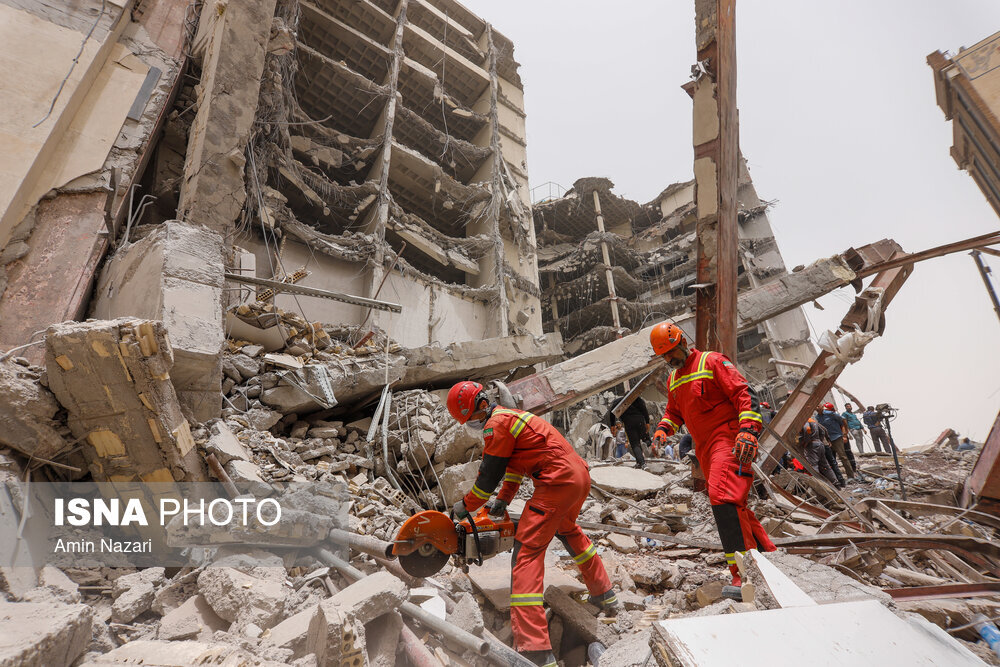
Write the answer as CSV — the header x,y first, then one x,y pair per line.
x,y
462,400
665,336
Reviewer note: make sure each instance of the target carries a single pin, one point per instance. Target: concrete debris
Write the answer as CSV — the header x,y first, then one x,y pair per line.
x,y
36,634
113,378
27,413
337,405
627,481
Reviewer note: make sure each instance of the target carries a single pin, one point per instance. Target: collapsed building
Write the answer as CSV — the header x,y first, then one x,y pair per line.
x,y
203,214
609,266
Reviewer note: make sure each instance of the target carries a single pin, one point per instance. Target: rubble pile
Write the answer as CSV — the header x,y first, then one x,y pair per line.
x,y
320,590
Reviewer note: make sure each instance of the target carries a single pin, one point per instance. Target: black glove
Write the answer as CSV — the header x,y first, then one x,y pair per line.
x,y
459,510
497,507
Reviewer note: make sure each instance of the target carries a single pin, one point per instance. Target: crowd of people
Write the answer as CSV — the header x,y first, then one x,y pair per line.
x,y
828,440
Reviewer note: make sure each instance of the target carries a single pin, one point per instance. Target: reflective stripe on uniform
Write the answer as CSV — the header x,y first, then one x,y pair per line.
x,y
731,558
526,599
671,423
587,554
479,493
520,419
700,374
750,415
513,477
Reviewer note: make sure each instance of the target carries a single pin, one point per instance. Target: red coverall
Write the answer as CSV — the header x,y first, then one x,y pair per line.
x,y
710,396
517,444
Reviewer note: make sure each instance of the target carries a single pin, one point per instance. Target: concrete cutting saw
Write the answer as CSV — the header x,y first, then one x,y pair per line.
x,y
427,539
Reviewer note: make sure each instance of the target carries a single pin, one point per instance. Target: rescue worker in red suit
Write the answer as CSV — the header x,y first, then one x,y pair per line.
x,y
520,444
711,397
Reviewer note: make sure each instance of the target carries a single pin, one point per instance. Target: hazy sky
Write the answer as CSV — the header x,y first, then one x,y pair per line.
x,y
838,122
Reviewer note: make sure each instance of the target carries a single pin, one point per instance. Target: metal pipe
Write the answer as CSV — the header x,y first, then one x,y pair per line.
x,y
459,637
366,544
416,651
302,290
221,475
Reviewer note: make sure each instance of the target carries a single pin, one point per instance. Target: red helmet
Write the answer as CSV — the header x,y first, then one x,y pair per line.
x,y
462,400
828,406
765,404
665,336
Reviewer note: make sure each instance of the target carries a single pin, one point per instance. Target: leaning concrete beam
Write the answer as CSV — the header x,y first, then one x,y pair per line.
x,y
437,366
232,41
175,274
113,377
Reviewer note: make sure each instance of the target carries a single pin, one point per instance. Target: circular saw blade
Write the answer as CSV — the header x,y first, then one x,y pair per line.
x,y
423,562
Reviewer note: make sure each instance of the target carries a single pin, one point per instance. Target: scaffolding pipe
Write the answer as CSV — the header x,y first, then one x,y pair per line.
x,y
459,637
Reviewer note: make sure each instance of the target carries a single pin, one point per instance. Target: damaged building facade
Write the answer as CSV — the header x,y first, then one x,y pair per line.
x,y
249,245
609,266
372,149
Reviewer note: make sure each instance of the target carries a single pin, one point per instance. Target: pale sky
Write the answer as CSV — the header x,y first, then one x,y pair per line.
x,y
838,122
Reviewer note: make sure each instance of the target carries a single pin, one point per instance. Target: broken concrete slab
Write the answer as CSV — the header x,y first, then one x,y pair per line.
x,y
623,543
303,633
175,274
455,444
626,481
831,634
369,598
26,414
134,594
492,578
457,480
242,598
194,619
113,377
632,651
822,583
159,653
467,614
578,617
38,634
308,389
225,446
439,367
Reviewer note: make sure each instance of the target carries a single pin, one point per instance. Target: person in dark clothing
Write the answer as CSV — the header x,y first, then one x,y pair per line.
x,y
836,429
635,419
812,440
684,446
873,420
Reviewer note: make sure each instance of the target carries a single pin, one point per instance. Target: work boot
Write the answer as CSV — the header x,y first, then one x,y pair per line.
x,y
606,602
542,658
735,590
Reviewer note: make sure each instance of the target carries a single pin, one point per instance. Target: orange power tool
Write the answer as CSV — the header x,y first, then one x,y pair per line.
x,y
427,539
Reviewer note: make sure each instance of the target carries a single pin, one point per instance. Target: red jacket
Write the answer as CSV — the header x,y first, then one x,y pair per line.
x,y
517,444
710,396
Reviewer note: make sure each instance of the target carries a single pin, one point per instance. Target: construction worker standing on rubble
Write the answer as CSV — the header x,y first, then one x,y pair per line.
x,y
708,394
520,444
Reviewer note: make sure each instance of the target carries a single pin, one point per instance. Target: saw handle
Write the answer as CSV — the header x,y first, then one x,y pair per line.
x,y
475,538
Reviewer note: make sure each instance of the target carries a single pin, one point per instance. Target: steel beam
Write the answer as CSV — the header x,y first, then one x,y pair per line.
x,y
716,142
823,373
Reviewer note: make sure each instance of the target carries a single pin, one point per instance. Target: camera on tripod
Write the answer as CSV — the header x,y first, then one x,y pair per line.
x,y
886,411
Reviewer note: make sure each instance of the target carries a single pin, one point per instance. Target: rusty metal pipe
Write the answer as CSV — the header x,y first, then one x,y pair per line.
x,y
416,651
221,475
456,635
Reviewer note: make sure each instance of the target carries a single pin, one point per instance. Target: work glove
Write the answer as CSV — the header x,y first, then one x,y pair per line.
x,y
497,507
745,447
660,437
459,510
